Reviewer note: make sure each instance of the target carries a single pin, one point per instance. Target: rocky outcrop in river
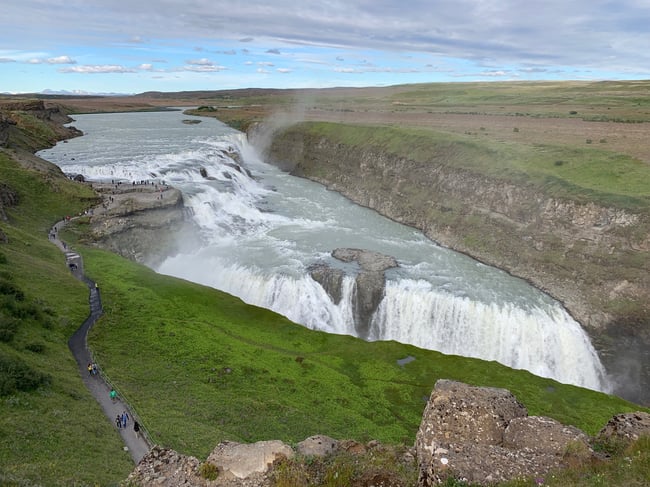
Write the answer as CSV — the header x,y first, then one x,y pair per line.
x,y
594,259
142,222
370,282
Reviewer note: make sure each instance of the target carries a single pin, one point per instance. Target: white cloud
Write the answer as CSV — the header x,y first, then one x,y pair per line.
x,y
60,60
533,38
51,60
558,31
97,69
200,62
204,68
284,70
495,73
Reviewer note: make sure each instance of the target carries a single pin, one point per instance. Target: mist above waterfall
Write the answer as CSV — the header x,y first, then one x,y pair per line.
x,y
261,229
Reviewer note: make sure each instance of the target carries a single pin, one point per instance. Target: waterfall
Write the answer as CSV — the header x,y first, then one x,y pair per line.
x,y
547,342
262,229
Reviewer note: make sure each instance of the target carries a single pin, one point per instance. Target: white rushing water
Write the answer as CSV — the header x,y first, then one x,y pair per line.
x,y
261,232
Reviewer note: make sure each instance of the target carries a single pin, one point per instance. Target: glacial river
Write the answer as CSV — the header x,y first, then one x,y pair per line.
x,y
260,232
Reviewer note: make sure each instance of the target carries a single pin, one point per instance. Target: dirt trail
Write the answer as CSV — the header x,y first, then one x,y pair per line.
x,y
137,445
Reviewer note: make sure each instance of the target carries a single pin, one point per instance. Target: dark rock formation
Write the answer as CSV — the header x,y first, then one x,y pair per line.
x,y
625,428
141,222
329,278
236,166
6,123
484,435
8,198
370,282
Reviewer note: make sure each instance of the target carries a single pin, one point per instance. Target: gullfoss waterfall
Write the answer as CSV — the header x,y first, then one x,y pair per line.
x,y
261,230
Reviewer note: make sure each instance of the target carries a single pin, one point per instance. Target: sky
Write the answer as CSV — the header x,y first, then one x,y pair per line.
x,y
133,46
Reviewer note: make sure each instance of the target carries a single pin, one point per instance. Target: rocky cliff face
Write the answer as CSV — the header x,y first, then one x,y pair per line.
x,y
596,260
18,130
143,223
369,279
6,123
8,198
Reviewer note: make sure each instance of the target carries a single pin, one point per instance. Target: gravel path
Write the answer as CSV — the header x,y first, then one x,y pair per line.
x,y
137,445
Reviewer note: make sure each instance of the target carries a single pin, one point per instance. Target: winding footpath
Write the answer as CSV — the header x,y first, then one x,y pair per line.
x,y
137,445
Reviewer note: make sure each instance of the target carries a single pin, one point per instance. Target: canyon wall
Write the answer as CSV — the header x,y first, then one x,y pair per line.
x,y
594,259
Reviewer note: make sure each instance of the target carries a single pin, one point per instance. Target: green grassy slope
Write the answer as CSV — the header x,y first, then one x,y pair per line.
x,y
53,432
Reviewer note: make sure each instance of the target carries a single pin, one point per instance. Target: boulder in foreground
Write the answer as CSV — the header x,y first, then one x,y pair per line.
x,y
484,435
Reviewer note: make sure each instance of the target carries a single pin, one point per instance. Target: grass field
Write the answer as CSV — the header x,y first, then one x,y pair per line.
x,y
597,175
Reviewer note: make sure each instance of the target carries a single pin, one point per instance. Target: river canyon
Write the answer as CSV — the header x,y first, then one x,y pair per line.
x,y
257,231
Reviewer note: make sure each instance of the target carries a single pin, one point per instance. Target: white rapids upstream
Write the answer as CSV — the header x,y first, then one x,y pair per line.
x,y
261,229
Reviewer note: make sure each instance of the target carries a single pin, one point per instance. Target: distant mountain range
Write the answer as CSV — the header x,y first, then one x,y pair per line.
x,y
69,93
